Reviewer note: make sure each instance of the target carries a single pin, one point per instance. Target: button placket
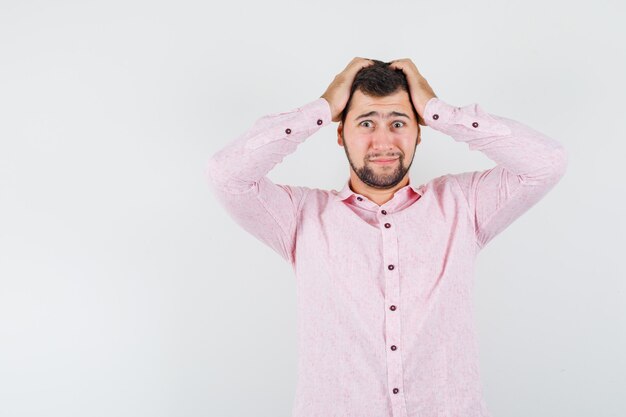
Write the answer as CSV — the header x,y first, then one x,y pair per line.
x,y
393,330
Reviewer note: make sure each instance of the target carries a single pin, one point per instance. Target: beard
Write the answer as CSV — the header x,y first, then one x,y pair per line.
x,y
377,176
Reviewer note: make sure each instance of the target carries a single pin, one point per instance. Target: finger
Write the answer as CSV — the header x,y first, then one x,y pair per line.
x,y
359,60
351,65
352,62
359,65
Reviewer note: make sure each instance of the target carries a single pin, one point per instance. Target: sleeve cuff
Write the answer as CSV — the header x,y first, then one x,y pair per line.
x,y
465,122
317,113
294,125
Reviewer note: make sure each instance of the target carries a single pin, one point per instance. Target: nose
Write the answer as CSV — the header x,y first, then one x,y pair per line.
x,y
382,139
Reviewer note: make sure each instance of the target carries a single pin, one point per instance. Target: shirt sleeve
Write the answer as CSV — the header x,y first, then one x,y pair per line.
x,y
237,175
528,162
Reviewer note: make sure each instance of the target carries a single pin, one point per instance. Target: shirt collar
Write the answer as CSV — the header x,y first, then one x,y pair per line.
x,y
346,191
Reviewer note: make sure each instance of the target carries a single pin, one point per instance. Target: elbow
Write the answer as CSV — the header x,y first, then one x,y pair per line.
x,y
560,162
554,169
224,176
213,170
550,171
210,169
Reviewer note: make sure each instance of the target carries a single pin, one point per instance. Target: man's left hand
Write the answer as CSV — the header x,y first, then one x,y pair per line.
x,y
419,88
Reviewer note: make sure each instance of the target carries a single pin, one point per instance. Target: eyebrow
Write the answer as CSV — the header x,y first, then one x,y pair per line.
x,y
375,113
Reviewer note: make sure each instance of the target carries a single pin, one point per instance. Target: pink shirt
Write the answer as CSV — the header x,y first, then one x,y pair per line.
x,y
384,293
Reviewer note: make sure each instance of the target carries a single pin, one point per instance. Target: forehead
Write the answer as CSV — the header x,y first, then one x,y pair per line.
x,y
398,101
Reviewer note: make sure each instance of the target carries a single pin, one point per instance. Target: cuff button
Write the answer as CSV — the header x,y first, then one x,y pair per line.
x,y
319,121
435,116
287,131
475,124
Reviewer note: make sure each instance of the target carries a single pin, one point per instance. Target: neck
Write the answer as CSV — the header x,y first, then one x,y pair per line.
x,y
377,195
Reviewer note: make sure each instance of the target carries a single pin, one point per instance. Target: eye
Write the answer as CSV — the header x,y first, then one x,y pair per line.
x,y
365,121
397,121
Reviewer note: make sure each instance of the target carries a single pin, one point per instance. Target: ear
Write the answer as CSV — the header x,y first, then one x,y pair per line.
x,y
339,130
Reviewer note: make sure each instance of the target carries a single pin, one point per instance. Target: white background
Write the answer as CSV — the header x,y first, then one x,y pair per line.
x,y
125,289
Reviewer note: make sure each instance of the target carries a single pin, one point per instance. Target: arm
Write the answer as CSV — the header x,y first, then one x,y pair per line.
x,y
238,175
529,164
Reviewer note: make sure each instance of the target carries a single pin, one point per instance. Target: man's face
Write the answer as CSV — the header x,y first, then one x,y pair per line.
x,y
393,134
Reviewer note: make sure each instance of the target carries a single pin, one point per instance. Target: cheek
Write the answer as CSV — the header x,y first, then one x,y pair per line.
x,y
408,143
358,146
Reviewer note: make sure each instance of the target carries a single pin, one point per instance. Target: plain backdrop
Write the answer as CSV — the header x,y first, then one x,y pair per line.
x,y
126,290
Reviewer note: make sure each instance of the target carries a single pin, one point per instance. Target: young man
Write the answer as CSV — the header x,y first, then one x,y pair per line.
x,y
385,267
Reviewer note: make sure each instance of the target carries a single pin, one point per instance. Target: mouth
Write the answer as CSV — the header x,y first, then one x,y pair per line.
x,y
384,161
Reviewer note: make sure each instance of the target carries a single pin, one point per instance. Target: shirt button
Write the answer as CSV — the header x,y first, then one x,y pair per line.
x,y
319,121
435,116
393,347
384,211
288,131
475,124
390,266
396,390
387,225
359,198
392,308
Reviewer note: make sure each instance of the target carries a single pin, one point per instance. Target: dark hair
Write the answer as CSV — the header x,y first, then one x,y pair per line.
x,y
378,80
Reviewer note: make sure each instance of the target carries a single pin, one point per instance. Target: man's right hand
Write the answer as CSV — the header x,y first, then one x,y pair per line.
x,y
338,92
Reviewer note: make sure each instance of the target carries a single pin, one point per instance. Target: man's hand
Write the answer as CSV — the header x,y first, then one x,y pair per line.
x,y
419,89
338,92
